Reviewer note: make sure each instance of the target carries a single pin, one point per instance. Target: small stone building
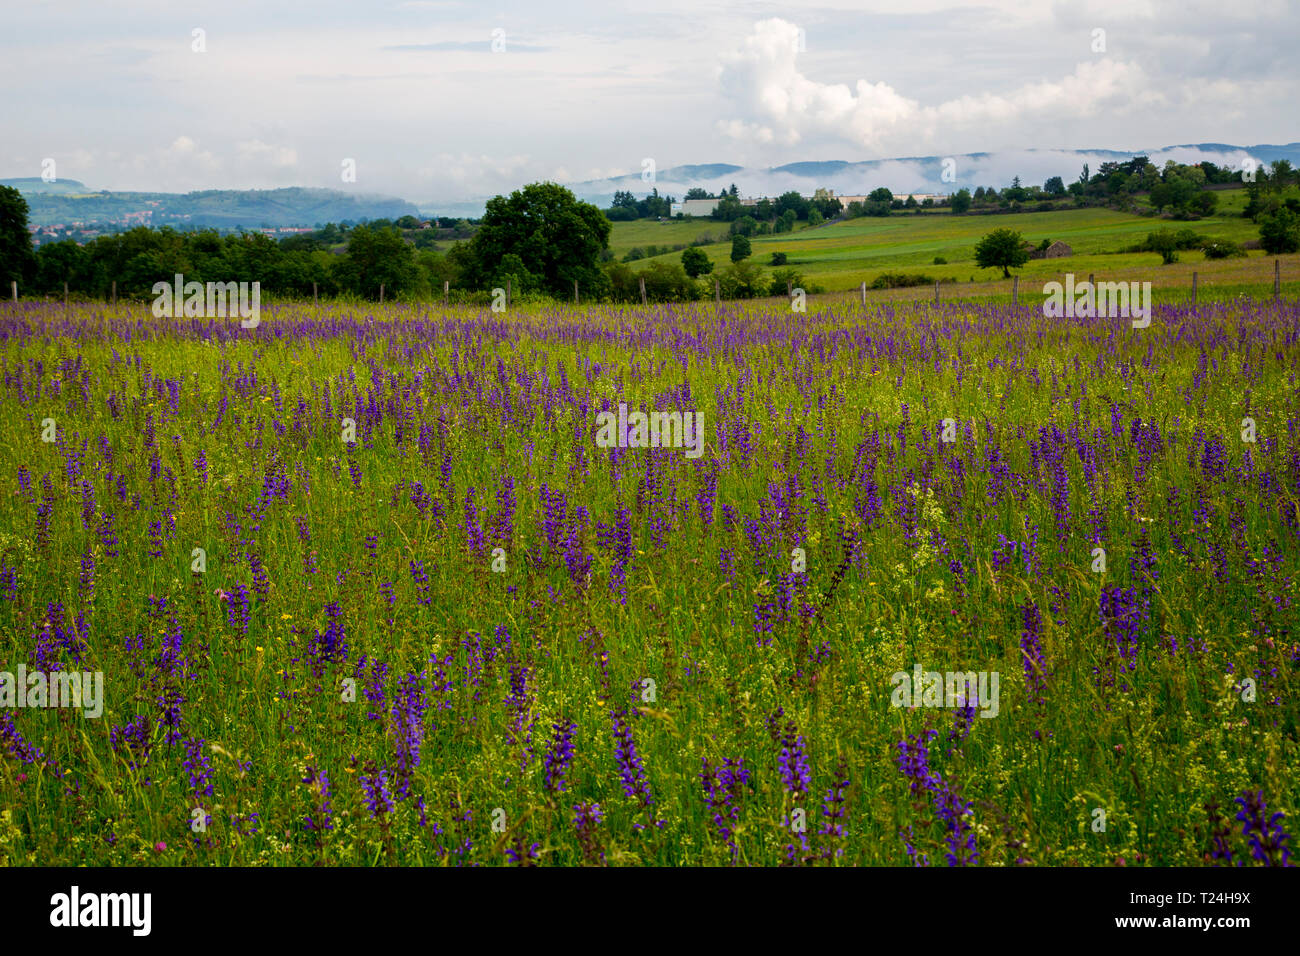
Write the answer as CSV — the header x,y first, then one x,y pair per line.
x,y
1057,250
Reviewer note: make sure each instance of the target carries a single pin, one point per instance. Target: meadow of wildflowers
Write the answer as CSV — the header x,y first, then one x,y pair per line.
x,y
365,589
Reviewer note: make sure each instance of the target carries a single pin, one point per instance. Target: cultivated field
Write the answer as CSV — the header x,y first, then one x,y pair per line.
x,y
364,589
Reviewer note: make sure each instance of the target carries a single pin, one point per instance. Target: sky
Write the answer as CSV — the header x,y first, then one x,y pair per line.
x,y
435,100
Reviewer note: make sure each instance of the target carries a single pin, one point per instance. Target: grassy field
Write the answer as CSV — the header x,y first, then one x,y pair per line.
x,y
365,588
842,255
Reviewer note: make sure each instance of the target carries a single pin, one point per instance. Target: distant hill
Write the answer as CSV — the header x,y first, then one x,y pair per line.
x,y
67,201
916,173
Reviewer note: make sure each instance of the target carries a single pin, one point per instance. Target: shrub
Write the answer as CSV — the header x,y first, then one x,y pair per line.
x,y
783,276
900,280
940,261
778,258
1279,232
1222,249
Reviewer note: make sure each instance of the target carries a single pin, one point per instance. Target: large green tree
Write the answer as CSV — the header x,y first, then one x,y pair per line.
x,y
1001,249
17,261
377,257
557,238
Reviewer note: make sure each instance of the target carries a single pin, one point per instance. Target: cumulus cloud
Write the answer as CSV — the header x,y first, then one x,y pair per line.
x,y
779,104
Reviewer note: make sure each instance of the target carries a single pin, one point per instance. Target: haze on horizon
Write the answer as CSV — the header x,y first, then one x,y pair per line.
x,y
412,91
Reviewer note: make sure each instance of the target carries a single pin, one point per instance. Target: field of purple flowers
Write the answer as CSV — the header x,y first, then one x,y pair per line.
x,y
364,589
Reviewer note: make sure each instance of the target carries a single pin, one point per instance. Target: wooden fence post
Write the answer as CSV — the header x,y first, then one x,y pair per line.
x,y
381,292
446,293
1277,277
508,292
315,300
864,295
115,292
65,295
1015,291
13,288
575,291
1193,288
643,302
936,291
717,291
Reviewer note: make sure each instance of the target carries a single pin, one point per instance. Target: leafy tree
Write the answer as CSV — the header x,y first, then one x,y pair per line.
x,y
880,195
17,261
815,217
792,202
744,226
60,262
1001,249
376,257
960,201
1279,232
696,263
778,259
558,239
1054,186
1205,202
695,192
740,248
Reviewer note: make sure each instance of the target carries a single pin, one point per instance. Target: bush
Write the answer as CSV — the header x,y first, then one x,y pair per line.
x,y
783,276
741,280
778,258
940,261
899,280
1222,249
1279,232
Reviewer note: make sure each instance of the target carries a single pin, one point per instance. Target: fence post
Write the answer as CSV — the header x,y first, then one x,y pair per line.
x,y
65,295
717,291
381,292
1277,277
314,299
1193,288
643,302
864,295
446,293
1015,291
115,292
1090,284
509,292
789,289
936,291
13,288
575,291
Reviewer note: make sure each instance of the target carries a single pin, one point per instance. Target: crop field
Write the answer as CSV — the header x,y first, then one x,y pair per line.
x,y
368,585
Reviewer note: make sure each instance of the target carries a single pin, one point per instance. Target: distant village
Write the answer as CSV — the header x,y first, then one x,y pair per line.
x,y
706,207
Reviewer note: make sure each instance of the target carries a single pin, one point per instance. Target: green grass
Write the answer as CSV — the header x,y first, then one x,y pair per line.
x,y
841,256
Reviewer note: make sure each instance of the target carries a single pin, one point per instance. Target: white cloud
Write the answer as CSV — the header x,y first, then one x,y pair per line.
x,y
779,104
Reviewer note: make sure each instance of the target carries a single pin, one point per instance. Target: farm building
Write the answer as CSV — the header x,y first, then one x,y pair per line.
x,y
1057,250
